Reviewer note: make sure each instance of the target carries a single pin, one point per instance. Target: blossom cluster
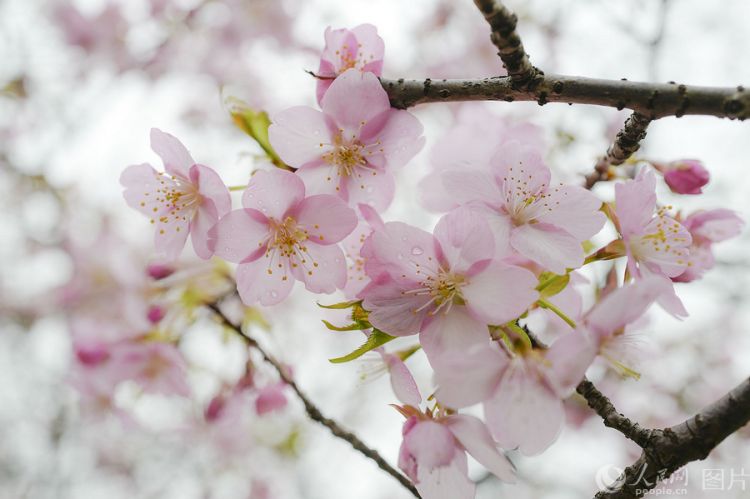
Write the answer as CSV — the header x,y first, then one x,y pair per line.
x,y
509,244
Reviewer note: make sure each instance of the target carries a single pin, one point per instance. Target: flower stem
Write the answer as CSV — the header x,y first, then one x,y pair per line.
x,y
237,187
549,306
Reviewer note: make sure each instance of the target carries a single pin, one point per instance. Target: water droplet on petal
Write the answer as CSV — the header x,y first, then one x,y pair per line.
x,y
400,256
416,250
274,294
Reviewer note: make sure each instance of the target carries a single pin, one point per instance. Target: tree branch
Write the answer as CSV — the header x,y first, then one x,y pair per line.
x,y
510,48
652,100
312,411
626,143
670,449
610,416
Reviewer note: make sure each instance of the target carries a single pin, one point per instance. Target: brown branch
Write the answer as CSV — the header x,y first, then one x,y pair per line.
x,y
510,48
312,411
610,416
626,143
670,449
654,100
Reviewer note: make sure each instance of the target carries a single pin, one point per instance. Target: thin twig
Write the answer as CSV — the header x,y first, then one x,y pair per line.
x,y
610,416
312,411
505,37
627,142
654,100
692,440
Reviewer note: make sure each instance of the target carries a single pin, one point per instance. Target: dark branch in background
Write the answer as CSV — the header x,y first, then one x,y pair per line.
x,y
653,100
312,411
626,143
510,48
669,449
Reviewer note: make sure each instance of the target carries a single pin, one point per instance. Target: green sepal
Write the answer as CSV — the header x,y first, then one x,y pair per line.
x,y
377,338
351,327
552,284
340,306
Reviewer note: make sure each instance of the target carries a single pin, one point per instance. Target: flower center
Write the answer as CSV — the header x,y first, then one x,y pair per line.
x,y
664,239
176,199
444,289
286,239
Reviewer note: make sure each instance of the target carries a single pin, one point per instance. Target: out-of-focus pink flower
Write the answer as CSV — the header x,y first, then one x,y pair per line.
x,y
157,367
470,144
686,176
270,398
445,286
186,198
542,222
360,48
707,228
282,235
655,245
433,455
352,147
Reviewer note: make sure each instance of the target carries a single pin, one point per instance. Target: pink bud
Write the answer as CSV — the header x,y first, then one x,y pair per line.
x,y
158,271
155,314
91,355
271,398
685,176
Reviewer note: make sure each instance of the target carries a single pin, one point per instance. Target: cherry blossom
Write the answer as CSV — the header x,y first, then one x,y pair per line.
x,y
657,245
707,228
542,222
281,236
359,48
353,146
186,198
686,176
444,286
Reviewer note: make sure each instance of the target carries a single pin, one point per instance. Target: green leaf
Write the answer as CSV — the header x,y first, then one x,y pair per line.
x,y
553,285
377,338
351,327
255,123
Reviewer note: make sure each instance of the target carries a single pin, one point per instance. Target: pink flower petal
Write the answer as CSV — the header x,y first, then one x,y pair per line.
x,y
500,293
577,212
405,251
324,268
625,305
402,382
170,237
453,332
476,439
549,246
372,188
635,201
392,311
176,158
447,482
467,378
327,219
471,186
211,188
273,192
255,284
353,99
141,183
569,357
465,240
300,135
240,235
524,413
396,135
430,444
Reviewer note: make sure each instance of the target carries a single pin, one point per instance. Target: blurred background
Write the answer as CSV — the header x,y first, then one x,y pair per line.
x,y
81,84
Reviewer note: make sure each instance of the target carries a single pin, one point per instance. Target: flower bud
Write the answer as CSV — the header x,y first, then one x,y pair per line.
x,y
158,271
685,176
